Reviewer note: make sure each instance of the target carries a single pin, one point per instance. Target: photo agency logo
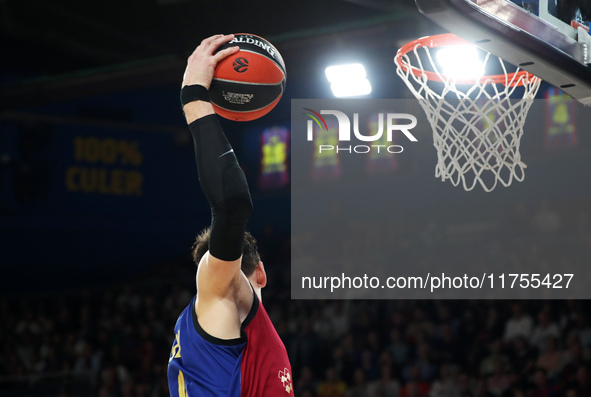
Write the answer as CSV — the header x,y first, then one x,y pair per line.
x,y
339,128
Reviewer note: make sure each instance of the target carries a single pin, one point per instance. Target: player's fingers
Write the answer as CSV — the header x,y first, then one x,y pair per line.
x,y
224,53
205,42
218,41
208,40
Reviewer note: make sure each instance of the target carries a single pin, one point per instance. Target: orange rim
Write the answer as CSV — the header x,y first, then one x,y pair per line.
x,y
448,40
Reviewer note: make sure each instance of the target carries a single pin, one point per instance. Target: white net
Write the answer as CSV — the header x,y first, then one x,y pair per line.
x,y
477,123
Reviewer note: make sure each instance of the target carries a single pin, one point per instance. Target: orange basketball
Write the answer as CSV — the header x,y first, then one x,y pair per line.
x,y
248,84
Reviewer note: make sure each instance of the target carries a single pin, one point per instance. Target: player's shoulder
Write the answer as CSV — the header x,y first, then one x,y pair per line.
x,y
217,278
224,317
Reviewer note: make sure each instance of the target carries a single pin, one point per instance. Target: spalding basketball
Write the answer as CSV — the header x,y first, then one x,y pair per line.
x,y
249,83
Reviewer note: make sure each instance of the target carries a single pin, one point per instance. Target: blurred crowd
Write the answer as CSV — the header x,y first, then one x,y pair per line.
x,y
442,348
114,340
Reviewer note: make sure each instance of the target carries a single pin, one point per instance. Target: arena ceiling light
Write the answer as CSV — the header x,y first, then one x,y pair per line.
x,y
348,80
460,62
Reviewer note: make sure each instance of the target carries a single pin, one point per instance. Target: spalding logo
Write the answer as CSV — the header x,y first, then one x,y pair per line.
x,y
240,65
252,41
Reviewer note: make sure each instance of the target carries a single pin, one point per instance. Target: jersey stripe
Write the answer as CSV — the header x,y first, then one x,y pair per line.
x,y
182,387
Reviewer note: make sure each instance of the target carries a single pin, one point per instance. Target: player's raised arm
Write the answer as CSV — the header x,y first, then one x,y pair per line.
x,y
220,176
225,343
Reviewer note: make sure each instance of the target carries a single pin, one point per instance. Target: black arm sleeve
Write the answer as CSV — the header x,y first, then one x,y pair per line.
x,y
224,185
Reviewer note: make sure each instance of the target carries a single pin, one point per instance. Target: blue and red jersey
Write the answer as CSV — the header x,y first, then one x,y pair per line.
x,y
253,365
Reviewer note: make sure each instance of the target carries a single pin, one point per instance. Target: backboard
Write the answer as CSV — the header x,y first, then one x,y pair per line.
x,y
548,38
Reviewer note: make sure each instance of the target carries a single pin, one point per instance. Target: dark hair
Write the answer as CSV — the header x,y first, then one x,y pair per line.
x,y
250,254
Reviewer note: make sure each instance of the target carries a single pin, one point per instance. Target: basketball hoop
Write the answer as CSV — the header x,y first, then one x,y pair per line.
x,y
477,125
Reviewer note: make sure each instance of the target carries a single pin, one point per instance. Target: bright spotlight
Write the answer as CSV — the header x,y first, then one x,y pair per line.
x,y
348,80
351,88
460,62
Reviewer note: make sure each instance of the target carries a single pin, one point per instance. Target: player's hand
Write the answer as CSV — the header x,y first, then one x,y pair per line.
x,y
202,62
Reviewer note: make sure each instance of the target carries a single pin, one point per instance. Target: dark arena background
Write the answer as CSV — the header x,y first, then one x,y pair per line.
x,y
100,204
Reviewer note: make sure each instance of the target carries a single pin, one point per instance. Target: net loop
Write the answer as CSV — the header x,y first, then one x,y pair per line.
x,y
477,122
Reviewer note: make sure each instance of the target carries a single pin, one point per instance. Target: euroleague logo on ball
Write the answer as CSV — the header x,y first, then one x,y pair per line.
x,y
240,65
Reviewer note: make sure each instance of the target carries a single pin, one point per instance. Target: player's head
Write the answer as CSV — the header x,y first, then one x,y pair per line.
x,y
250,254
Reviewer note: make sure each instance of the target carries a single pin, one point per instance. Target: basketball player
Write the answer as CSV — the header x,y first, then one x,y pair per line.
x,y
225,344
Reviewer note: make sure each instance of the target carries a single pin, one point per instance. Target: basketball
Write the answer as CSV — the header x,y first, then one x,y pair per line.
x,y
248,84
